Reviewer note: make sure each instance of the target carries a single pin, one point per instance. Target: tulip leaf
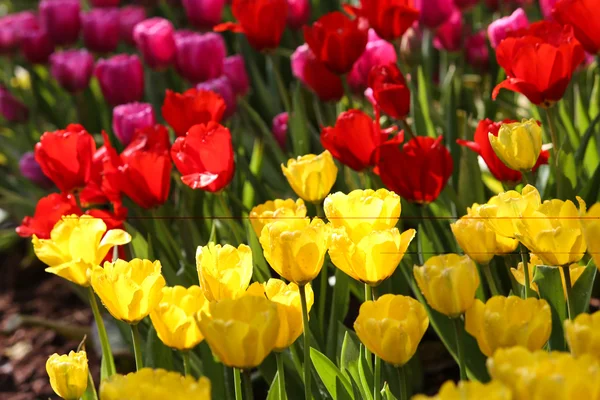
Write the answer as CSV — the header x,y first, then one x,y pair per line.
x,y
298,124
365,373
339,309
585,140
350,359
90,392
590,191
336,383
582,290
274,389
387,393
425,103
157,355
139,246
261,269
551,289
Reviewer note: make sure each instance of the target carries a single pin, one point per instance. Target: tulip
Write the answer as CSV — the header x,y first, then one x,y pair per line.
x,y
154,384
470,390
272,210
234,69
72,69
204,14
501,28
448,283
295,248
311,72
390,90
68,374
60,18
96,190
541,42
518,144
105,3
127,118
12,27
262,21
121,79
31,170
465,4
101,29
36,45
590,226
583,335
76,246
390,19
48,212
575,271
337,41
280,128
411,44
449,35
199,57
242,332
583,16
392,327
11,108
298,13
311,176
223,87
155,39
547,6
192,107
377,52
433,13
419,171
129,17
476,51
224,272
193,156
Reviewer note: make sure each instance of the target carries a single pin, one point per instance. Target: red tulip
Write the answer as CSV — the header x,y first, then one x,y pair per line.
x,y
310,71
204,157
389,18
539,62
96,191
66,156
390,90
48,212
337,41
584,17
419,171
450,35
262,21
192,107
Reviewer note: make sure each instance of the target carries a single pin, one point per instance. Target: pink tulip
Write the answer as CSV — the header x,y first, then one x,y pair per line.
x,y
377,52
101,29
199,56
222,86
499,29
298,13
434,13
12,27
36,46
72,68
60,18
476,51
280,128
127,118
204,14
11,108
129,17
449,36
547,6
121,79
234,68
155,39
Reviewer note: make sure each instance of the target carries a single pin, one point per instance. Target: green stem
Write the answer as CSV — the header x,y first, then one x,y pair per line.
x,y
237,381
256,162
283,92
296,360
307,363
403,383
347,91
460,348
322,297
91,387
104,342
567,274
525,262
552,127
280,375
249,394
137,346
527,177
377,379
186,362
490,279
368,297
408,129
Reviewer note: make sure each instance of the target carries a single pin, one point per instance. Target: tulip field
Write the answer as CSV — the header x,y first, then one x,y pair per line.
x,y
299,199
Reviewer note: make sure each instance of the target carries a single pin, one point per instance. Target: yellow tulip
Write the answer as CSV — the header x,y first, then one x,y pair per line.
x,y
470,390
76,245
240,332
372,259
68,374
311,176
174,317
509,321
519,144
363,211
129,290
154,384
575,271
583,335
392,327
546,375
289,309
477,240
268,212
502,212
224,272
448,283
590,225
296,249
553,233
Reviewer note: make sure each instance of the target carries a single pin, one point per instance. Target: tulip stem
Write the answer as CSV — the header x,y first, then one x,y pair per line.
x,y
460,348
283,92
377,379
408,129
567,274
490,279
237,380
185,355
525,268
137,346
552,127
281,375
368,297
306,328
403,382
249,393
347,91
104,342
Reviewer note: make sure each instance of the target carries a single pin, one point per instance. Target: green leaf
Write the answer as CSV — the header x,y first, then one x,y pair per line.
x,y
339,309
349,363
90,391
551,289
365,373
298,124
138,244
587,136
582,290
330,375
274,389
425,103
156,354
387,393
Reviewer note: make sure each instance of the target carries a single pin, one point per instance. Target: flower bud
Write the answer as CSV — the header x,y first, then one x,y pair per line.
x,y
298,13
500,28
129,17
155,39
518,144
72,69
127,118
470,390
476,51
68,374
11,108
234,69
204,14
36,45
583,334
410,45
121,79
60,18
101,29
590,226
199,57
12,27
433,13
311,176
377,52
105,3
222,86
449,35
268,212
31,170
280,128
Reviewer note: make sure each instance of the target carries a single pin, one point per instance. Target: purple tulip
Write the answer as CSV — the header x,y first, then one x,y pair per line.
x,y
234,69
499,29
547,6
476,51
121,79
434,13
60,18
449,36
105,3
31,170
127,118
204,14
155,39
36,46
377,52
129,17
298,13
101,29
11,108
199,56
12,26
280,128
72,68
223,87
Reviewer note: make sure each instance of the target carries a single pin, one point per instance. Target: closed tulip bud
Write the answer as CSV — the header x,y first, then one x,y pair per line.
x,y
224,272
362,211
36,45
204,14
101,29
313,73
470,390
590,226
295,248
121,79
448,283
60,18
311,176
298,13
392,327
199,57
155,39
518,145
242,332
12,27
31,170
280,128
434,13
174,316
129,17
129,289
72,69
377,52
450,35
223,87
272,210
11,108
68,374
127,118
500,28
505,322
476,52
390,90
583,334
575,271
154,384
410,45
234,68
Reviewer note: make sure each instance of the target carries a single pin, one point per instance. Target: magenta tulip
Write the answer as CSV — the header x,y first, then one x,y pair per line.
x,y
199,56
234,69
121,79
222,86
155,39
129,17
499,29
449,35
476,51
204,14
60,18
298,13
12,27
127,118
36,46
101,29
280,128
32,171
377,52
11,108
72,69
433,13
